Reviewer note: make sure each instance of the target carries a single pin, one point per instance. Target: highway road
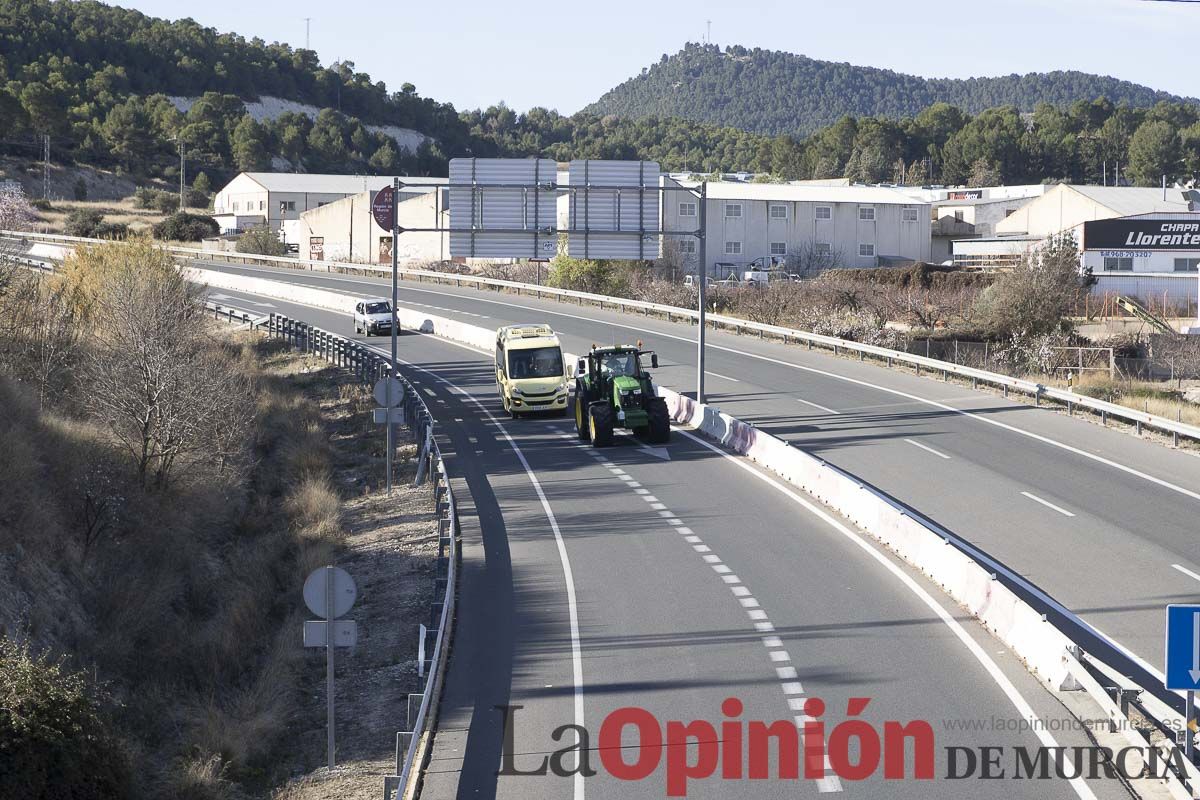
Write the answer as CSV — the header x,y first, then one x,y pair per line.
x,y
1102,521
671,581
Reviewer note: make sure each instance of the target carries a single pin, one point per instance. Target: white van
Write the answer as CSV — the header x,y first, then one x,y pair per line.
x,y
373,316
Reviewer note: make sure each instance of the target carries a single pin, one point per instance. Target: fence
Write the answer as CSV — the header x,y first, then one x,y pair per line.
x,y
413,744
1005,383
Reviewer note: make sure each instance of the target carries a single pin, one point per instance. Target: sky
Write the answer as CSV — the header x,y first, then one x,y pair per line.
x,y
475,53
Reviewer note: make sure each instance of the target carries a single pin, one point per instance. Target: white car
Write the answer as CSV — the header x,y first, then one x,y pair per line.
x,y
373,316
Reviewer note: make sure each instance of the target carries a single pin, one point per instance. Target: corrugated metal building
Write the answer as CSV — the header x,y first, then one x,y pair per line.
x,y
257,198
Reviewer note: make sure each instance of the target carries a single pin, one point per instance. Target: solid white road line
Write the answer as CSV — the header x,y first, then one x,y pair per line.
x,y
894,392
719,375
1143,663
927,448
1048,504
564,559
817,406
1185,571
1014,695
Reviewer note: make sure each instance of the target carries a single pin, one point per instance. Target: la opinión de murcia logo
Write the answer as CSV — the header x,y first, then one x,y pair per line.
x,y
855,749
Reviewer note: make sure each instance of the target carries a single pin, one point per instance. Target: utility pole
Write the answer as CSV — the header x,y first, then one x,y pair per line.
x,y
182,174
708,31
307,30
46,166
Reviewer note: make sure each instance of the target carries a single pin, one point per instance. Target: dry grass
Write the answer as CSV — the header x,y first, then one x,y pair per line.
x,y
1160,398
117,211
190,607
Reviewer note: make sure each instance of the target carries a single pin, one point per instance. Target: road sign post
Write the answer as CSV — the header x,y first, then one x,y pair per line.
x,y
383,209
1183,662
329,592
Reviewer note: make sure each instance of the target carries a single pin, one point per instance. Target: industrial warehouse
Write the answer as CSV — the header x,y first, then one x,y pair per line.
x,y
1135,241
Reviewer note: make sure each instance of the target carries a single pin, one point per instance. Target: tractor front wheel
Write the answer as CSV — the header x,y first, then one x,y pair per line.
x,y
660,421
600,426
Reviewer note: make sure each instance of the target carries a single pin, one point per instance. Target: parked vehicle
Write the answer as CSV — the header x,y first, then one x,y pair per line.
x,y
613,391
373,316
530,373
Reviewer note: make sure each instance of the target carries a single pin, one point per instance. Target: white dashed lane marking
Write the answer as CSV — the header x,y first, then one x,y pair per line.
x,y
778,657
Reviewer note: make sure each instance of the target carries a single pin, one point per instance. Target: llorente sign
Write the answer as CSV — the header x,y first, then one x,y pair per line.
x,y
1143,234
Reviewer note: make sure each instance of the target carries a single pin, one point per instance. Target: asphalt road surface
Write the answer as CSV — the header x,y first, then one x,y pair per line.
x,y
672,581
1102,521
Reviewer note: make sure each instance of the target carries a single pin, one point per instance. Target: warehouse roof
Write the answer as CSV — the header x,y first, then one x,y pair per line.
x,y
329,184
1127,200
789,193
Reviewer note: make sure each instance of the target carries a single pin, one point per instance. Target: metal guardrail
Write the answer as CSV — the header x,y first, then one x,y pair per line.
x,y
412,745
1005,383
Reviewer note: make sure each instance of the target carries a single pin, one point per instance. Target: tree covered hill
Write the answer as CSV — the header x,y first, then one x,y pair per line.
x,y
774,92
95,78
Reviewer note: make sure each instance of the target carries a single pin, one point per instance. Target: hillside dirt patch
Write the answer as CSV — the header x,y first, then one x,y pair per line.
x,y
390,548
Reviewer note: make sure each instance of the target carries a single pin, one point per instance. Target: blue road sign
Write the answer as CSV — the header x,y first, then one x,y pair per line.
x,y
1183,647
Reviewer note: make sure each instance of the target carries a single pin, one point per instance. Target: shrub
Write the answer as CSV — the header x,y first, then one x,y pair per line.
x,y
85,222
166,202
54,742
261,241
184,227
41,204
1038,296
81,189
117,231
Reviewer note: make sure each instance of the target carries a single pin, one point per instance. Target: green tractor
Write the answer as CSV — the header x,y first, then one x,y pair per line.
x,y
612,391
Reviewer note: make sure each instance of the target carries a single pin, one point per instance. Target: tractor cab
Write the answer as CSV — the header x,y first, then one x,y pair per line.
x,y
613,390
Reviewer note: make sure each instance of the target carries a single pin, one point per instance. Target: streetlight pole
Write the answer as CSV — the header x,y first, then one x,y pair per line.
x,y
702,277
395,313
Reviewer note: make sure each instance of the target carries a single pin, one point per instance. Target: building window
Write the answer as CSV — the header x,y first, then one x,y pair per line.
x,y
866,250
733,209
822,248
287,205
958,216
1122,264
824,212
908,215
779,248
778,211
733,248
687,246
1186,264
262,205
867,214
687,209
235,206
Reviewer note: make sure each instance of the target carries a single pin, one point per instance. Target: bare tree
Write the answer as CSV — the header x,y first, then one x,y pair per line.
x,y
15,215
808,259
42,333
167,393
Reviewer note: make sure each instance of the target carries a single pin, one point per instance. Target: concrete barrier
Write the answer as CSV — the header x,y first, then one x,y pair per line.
x,y
1024,629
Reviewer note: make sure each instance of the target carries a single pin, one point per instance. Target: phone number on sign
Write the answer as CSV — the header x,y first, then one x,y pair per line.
x,y
1124,253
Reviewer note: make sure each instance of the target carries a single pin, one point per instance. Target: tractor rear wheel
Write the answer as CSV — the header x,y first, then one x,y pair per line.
x,y
581,417
660,421
600,426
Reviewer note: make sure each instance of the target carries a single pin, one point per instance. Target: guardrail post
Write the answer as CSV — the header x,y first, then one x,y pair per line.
x,y
1037,395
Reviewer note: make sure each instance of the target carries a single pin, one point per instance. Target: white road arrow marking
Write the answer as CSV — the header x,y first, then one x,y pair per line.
x,y
1195,670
